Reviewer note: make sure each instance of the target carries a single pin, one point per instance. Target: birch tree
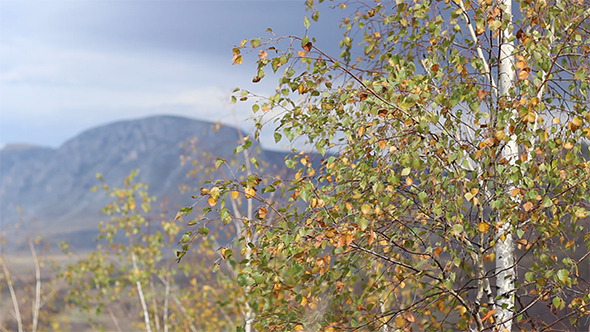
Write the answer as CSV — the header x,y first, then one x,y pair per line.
x,y
453,192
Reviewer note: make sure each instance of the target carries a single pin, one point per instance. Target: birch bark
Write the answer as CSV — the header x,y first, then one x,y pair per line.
x,y
505,268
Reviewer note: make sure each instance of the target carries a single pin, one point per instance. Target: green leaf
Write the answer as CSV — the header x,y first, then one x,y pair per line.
x,y
304,41
255,42
219,162
563,276
406,171
457,229
306,23
422,196
277,137
558,302
242,279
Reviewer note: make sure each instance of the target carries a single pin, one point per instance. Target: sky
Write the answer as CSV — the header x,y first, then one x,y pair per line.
x,y
67,66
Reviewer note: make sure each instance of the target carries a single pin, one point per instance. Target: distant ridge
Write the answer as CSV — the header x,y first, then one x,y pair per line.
x,y
21,146
51,186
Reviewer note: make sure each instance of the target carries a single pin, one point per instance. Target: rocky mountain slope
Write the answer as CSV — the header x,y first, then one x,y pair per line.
x,y
50,187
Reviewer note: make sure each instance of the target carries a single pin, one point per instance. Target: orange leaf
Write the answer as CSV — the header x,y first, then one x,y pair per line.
x,y
437,251
527,206
521,64
488,315
308,46
262,212
482,94
262,54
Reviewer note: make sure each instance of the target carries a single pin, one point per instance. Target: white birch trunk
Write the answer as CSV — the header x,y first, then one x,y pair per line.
x,y
505,268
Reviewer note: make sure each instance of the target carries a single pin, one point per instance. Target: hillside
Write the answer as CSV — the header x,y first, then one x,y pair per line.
x,y
51,186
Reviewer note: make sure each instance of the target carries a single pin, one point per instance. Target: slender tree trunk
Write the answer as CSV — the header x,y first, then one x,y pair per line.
x,y
505,267
19,321
146,314
37,302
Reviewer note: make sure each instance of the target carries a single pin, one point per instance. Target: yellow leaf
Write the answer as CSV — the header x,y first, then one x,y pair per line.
x,y
366,209
212,201
461,309
400,321
303,304
250,192
235,194
489,257
483,227
237,59
468,196
575,124
214,192
361,131
499,135
531,117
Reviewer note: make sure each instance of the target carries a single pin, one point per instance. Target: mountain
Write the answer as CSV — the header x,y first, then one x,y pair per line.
x,y
51,186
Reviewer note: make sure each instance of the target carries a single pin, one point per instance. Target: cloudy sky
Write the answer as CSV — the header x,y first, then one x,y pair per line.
x,y
66,66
